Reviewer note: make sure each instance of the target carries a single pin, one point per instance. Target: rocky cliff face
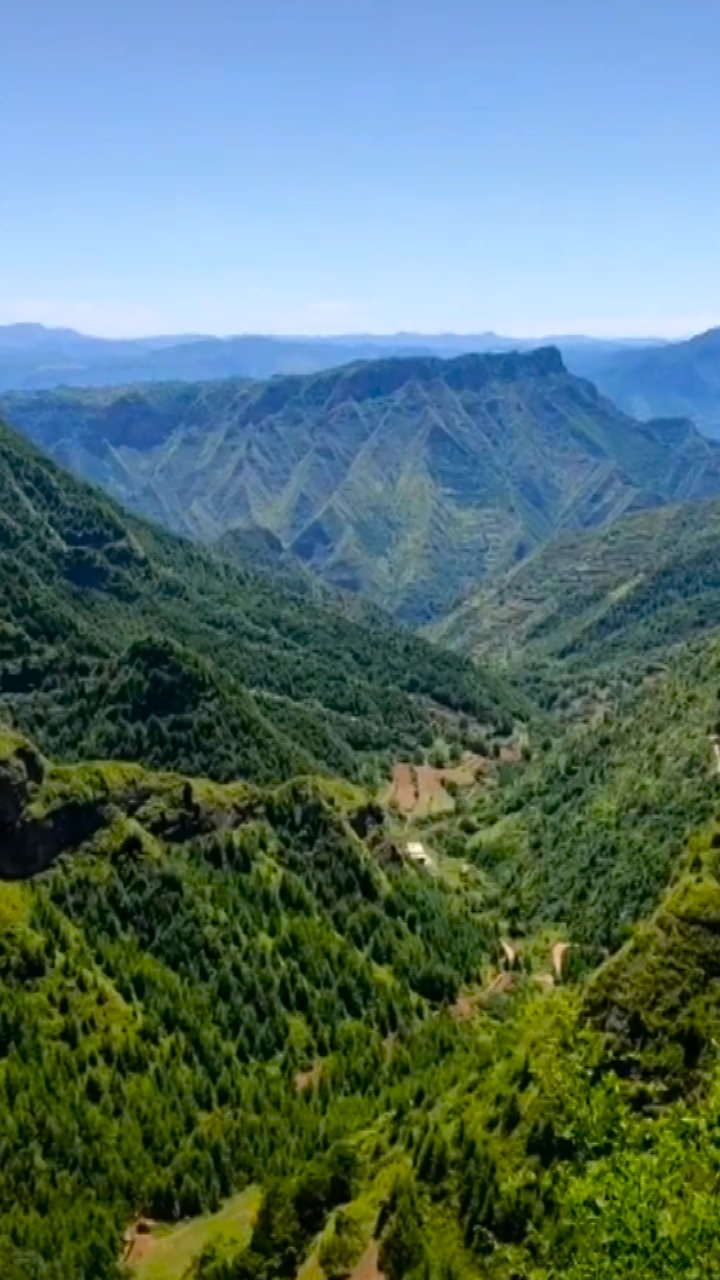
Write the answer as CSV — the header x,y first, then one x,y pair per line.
x,y
28,841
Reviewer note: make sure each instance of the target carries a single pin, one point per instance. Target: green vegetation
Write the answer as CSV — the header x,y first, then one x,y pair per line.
x,y
161,988
167,1252
118,640
243,1035
232,987
647,582
405,480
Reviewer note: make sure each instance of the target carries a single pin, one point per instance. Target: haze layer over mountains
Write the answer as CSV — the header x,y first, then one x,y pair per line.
x,y
34,357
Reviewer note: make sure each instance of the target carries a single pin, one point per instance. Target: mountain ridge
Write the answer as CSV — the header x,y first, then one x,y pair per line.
x,y
403,479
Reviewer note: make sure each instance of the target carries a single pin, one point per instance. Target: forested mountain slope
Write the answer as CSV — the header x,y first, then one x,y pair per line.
x,y
648,581
160,988
406,480
495,1059
213,986
117,639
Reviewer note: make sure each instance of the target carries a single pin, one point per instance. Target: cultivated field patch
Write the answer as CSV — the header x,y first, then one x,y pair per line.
x,y
422,790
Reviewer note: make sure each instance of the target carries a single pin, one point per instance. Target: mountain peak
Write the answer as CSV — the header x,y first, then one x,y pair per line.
x,y
538,363
710,338
470,371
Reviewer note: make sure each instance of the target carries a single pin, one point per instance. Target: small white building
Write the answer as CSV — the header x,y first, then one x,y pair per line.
x,y
418,854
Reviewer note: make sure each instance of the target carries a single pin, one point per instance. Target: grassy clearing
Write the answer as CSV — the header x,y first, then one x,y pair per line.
x,y
165,1253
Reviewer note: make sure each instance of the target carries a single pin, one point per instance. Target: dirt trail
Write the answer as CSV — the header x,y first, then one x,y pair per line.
x,y
368,1267
465,1006
138,1241
138,1249
404,792
308,1079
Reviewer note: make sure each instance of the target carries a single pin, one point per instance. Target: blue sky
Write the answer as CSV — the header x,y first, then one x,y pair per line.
x,y
325,166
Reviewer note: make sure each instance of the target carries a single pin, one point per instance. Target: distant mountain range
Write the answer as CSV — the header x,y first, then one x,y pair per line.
x,y
33,357
645,377
678,379
407,480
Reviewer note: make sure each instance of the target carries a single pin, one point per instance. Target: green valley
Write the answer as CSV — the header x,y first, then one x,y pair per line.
x,y
326,952
119,640
213,986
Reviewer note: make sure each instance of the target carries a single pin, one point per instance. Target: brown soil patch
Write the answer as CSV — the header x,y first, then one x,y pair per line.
x,y
559,958
308,1079
431,794
421,789
368,1267
500,986
546,980
138,1247
463,1007
404,792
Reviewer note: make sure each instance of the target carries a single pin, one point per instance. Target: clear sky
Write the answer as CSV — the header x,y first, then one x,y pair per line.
x,y
326,166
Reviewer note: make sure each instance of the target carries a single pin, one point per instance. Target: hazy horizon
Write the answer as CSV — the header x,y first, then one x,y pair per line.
x,y
351,335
